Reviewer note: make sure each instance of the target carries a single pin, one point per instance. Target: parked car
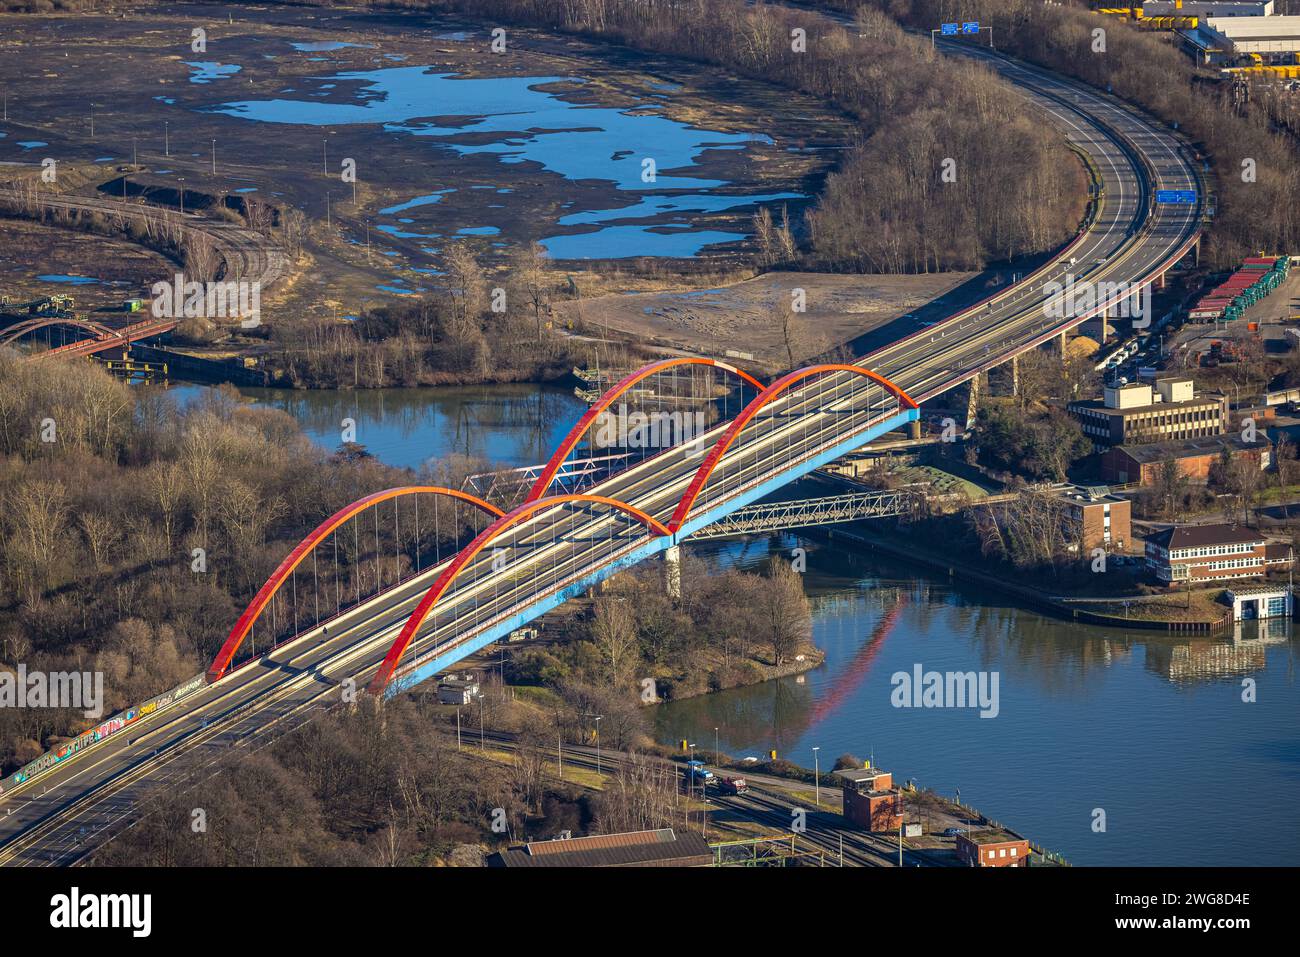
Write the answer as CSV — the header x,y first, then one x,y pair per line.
x,y
953,831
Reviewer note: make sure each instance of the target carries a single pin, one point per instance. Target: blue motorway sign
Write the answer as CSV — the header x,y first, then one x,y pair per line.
x,y
1185,197
970,26
948,29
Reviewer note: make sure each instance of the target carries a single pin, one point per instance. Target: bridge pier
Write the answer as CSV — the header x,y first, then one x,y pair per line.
x,y
673,571
1015,375
914,429
973,401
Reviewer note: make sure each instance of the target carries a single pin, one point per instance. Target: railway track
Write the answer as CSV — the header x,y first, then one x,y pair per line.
x,y
761,804
248,256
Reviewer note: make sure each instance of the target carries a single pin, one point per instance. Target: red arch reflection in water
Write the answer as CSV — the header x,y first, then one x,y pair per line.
x,y
849,679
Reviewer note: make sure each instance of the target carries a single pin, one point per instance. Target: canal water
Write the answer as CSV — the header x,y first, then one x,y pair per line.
x,y
1148,729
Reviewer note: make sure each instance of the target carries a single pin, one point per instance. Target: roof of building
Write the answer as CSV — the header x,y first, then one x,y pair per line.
x,y
1201,536
860,775
1199,400
1152,452
1091,495
1257,592
1277,552
663,845
991,837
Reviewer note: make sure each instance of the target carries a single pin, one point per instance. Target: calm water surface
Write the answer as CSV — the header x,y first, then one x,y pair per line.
x,y
508,425
1152,730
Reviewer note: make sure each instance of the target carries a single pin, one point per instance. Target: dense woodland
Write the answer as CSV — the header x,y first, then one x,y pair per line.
x,y
726,628
99,525
365,788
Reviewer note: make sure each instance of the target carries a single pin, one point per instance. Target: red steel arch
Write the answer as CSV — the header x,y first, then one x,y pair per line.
x,y
762,399
100,331
466,555
580,428
221,664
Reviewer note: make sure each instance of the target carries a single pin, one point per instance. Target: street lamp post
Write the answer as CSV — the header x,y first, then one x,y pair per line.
x,y
715,746
598,717
817,778
690,776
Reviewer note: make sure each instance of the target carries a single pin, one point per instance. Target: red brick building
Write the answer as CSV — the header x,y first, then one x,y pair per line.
x,y
1206,553
992,849
871,800
1099,519
1126,464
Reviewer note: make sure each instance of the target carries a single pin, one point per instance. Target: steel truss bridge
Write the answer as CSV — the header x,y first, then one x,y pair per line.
x,y
802,513
425,613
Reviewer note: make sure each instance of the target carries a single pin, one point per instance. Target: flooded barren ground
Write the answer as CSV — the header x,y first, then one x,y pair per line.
x,y
98,272
595,151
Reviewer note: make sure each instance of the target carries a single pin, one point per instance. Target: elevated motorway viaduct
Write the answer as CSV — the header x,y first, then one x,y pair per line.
x,y
554,552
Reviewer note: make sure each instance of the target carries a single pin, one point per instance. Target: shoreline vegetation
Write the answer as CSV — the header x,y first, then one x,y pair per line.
x,y
1144,612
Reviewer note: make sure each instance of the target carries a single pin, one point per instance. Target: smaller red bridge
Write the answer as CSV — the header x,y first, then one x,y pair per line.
x,y
102,338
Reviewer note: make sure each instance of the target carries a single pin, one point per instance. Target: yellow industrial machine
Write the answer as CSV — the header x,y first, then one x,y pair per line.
x,y
1275,71
1152,23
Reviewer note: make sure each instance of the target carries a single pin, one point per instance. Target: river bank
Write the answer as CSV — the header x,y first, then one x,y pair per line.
x,y
955,565
1153,707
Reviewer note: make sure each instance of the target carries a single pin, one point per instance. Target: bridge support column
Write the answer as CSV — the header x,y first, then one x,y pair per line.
x,y
1015,375
673,572
973,401
914,429
1062,343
